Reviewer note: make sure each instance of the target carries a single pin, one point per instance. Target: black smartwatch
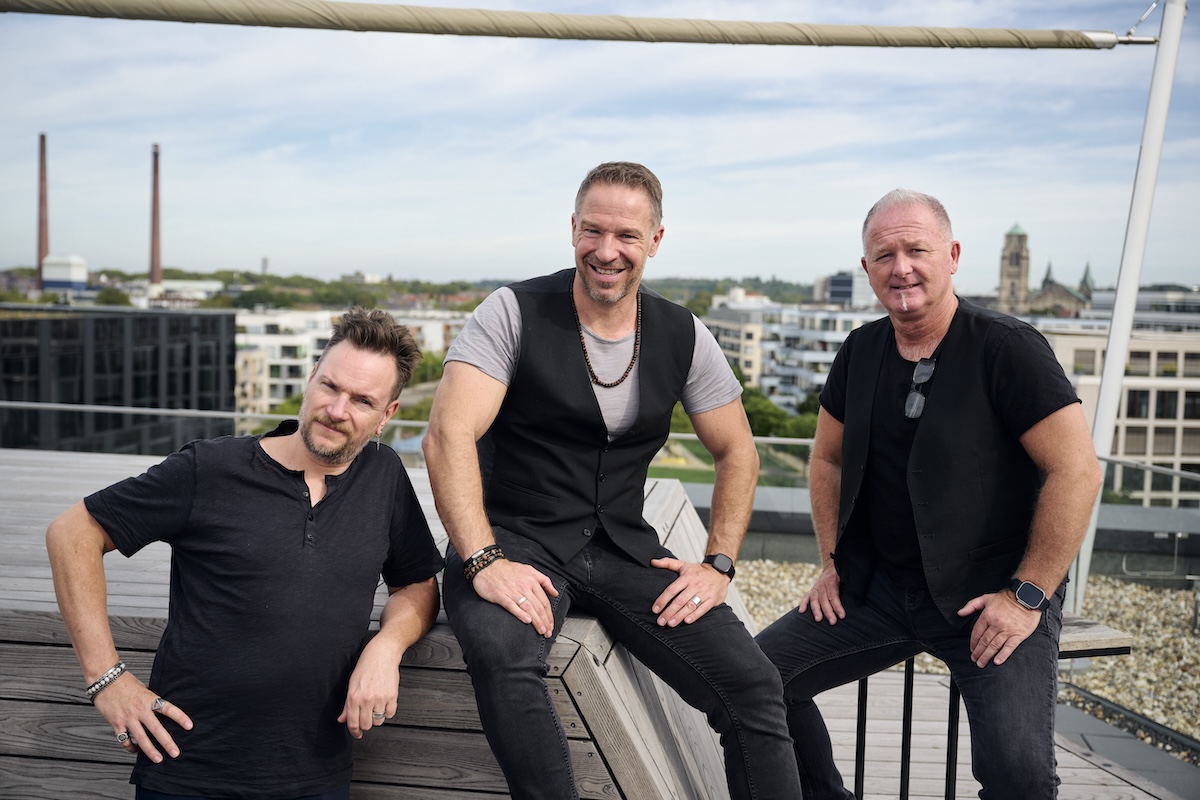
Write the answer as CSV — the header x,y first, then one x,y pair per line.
x,y
1029,595
722,564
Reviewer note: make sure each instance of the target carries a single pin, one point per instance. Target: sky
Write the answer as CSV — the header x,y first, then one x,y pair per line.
x,y
443,158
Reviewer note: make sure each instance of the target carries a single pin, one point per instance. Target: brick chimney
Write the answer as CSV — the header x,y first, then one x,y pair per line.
x,y
155,244
43,246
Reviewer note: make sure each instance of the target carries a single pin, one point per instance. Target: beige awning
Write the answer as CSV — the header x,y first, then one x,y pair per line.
x,y
542,25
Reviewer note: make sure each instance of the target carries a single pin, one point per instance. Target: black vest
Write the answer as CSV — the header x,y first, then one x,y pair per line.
x,y
972,485
549,471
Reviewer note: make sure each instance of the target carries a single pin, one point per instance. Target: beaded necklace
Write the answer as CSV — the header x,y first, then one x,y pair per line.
x,y
637,343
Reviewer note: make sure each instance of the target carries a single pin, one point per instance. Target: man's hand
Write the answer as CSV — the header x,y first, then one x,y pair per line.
x,y
825,597
700,582
133,711
1002,626
374,687
521,590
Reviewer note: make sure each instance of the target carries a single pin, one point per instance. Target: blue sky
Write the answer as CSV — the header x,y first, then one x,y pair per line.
x,y
440,157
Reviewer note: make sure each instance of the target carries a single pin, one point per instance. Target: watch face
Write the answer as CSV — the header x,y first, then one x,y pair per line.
x,y
722,563
1030,596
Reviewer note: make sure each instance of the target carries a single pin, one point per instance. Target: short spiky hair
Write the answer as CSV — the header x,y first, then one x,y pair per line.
x,y
904,197
624,173
377,331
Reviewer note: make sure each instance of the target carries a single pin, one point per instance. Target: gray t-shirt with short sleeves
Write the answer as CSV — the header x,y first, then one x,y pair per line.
x,y
491,342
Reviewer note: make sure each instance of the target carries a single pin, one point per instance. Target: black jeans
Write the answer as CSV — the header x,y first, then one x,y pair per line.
x,y
713,664
342,793
1010,707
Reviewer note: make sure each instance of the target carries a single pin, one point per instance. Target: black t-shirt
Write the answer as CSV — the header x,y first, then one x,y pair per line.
x,y
1027,384
270,601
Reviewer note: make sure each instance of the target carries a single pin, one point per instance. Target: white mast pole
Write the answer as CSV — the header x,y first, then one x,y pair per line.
x,y
1136,230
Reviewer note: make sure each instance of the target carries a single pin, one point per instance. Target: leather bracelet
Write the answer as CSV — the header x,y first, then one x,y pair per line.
x,y
103,682
480,559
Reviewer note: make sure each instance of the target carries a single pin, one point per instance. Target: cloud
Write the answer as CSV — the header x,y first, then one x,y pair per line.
x,y
444,157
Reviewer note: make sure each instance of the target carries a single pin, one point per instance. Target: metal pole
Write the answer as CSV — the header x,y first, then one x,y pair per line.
x,y
1134,251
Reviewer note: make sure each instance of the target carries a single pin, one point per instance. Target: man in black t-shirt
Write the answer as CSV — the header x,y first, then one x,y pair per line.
x,y
277,544
952,481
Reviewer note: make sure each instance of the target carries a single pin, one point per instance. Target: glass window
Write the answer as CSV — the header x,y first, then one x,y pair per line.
x,y
1135,440
1166,404
1085,362
1132,479
1191,442
1168,365
1191,405
1160,482
1139,363
1191,365
1137,404
1164,441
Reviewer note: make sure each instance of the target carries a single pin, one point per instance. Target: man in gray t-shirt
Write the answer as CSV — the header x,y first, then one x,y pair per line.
x,y
555,398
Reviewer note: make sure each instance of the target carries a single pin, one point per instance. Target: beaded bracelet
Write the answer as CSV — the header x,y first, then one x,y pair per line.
x,y
480,559
103,681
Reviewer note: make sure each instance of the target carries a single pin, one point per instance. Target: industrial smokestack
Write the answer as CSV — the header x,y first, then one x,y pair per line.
x,y
43,246
155,245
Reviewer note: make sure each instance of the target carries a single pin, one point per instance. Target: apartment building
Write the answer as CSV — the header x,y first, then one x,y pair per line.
x,y
784,350
1158,419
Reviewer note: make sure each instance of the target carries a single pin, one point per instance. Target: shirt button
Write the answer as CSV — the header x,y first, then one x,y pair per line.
x,y
602,477
308,537
587,532
310,517
601,509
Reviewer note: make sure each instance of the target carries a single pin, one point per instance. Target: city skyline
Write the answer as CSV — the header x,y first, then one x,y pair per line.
x,y
442,158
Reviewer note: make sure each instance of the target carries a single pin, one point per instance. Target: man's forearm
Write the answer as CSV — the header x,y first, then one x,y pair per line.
x,y
824,489
76,553
1060,523
409,614
736,476
458,491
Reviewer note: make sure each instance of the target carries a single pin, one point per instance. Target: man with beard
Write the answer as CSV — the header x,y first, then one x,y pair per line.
x,y
556,396
277,547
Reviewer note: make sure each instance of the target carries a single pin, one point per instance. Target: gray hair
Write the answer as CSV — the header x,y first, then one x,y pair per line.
x,y
906,197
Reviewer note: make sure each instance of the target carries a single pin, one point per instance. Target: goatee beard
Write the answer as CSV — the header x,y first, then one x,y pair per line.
x,y
331,456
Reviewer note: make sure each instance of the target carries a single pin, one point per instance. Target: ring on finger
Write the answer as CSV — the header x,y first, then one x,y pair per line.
x,y
377,715
158,704
123,737
521,599
697,601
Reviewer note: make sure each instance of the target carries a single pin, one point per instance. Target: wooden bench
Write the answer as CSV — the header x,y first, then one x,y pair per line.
x,y
630,735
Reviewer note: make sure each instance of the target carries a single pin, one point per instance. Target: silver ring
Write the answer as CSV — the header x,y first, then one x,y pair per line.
x,y
123,737
377,715
697,601
158,704
521,600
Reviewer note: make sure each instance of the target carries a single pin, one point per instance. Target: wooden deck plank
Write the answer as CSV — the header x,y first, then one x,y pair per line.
x,y
57,742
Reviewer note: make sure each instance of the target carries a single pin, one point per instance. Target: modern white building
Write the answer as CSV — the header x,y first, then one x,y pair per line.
x,y
64,273
785,350
1158,420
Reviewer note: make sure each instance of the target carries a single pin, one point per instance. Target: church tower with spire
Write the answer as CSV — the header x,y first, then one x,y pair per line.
x,y
1014,273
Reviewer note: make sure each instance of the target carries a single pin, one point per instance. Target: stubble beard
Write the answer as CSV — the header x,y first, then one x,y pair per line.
x,y
610,296
333,456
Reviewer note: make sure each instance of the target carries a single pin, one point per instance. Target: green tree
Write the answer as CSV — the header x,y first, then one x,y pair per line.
x,y
680,421
430,368
765,417
419,411
111,296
